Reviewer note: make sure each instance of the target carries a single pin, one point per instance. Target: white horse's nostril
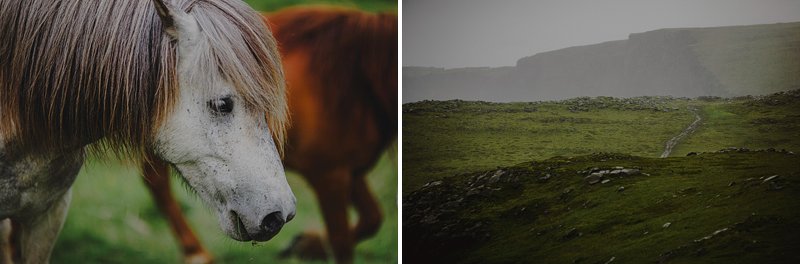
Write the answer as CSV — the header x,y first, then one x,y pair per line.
x,y
290,217
270,225
240,228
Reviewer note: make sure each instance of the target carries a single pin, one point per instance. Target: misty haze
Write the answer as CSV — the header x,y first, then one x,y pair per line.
x,y
680,49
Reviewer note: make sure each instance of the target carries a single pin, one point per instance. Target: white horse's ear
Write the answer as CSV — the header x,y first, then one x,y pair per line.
x,y
167,15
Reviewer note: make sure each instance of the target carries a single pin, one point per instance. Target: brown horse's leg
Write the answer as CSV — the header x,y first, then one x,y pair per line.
x,y
156,178
333,193
369,214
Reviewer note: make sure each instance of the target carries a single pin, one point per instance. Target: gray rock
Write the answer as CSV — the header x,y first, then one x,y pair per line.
x,y
594,178
711,235
433,183
631,171
769,178
496,176
545,177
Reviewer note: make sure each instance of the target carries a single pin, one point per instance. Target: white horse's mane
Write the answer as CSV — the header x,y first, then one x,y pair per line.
x,y
72,72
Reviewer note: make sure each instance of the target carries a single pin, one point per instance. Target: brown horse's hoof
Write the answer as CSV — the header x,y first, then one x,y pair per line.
x,y
307,246
201,257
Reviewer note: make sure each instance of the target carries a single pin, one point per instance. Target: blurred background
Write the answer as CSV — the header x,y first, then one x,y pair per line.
x,y
113,218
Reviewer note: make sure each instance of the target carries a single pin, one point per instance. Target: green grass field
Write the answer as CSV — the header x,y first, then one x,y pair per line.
x,y
505,182
662,215
112,218
443,138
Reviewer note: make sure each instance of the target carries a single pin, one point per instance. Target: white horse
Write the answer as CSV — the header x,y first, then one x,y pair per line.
x,y
189,81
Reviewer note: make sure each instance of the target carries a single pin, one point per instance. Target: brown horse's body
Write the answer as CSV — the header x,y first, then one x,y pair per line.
x,y
341,72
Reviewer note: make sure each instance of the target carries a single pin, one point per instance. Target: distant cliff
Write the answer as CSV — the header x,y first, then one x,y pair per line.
x,y
721,61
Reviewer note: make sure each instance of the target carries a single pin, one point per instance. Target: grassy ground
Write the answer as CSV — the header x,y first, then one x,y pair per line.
x,y
445,138
475,208
668,213
771,122
451,137
113,220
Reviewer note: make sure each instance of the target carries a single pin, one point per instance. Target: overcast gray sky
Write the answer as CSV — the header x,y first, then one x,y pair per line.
x,y
466,33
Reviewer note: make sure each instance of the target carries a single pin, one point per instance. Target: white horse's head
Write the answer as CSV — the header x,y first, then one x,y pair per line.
x,y
219,142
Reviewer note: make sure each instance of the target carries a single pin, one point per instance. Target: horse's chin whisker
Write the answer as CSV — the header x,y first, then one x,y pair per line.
x,y
239,227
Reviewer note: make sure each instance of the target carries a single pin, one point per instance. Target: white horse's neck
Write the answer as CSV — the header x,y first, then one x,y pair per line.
x,y
31,183
34,194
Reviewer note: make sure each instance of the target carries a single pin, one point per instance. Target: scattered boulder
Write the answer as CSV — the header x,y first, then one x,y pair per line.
x,y
596,175
544,178
733,149
769,178
593,178
432,184
496,177
711,235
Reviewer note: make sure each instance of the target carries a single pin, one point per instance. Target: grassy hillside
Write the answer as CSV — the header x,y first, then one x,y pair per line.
x,y
708,208
572,198
765,122
443,138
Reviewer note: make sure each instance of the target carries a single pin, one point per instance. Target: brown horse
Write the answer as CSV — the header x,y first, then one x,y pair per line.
x,y
341,72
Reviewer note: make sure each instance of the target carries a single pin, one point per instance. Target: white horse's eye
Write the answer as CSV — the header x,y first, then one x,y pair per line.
x,y
221,106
